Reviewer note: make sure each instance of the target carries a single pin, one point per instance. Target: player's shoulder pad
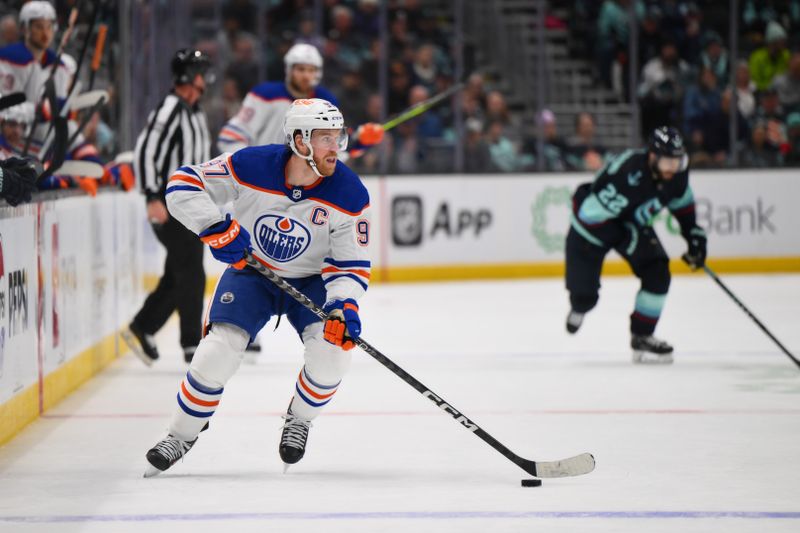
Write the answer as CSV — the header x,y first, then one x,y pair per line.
x,y
325,94
344,191
16,53
271,90
261,166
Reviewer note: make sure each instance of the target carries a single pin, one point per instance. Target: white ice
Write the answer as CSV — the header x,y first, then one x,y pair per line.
x,y
711,443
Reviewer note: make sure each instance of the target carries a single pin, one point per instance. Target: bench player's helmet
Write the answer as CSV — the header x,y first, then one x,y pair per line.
x,y
667,145
188,63
303,54
37,10
305,116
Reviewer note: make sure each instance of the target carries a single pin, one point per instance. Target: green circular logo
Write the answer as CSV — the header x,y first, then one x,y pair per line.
x,y
549,197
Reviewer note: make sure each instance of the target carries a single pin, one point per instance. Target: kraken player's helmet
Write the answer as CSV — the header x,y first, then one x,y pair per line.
x,y
303,54
667,144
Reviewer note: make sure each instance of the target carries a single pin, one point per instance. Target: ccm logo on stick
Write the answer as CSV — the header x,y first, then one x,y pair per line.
x,y
447,408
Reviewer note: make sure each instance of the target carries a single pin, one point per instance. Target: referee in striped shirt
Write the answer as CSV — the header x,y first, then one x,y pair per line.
x,y
176,134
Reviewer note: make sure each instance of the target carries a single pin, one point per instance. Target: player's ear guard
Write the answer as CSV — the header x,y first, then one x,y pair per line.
x,y
228,242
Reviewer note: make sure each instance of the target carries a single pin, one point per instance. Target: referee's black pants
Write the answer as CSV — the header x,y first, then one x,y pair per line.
x,y
180,288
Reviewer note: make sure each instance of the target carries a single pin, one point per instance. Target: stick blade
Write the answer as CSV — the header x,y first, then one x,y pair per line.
x,y
85,169
573,466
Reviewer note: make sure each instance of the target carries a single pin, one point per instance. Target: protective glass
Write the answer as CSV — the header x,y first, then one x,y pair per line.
x,y
329,140
672,165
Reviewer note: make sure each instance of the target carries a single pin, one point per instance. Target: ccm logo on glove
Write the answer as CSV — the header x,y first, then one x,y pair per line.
x,y
228,242
219,240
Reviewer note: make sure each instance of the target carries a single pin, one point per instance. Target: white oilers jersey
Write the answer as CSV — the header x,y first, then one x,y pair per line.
x,y
19,72
260,119
322,229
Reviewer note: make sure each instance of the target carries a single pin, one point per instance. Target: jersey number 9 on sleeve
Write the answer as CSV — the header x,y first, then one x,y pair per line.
x,y
362,230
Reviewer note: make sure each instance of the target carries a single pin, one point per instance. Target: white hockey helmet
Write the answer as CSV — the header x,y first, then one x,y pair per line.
x,y
307,115
37,9
303,54
22,113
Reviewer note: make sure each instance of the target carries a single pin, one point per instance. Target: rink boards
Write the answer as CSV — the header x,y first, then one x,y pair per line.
x,y
70,275
72,270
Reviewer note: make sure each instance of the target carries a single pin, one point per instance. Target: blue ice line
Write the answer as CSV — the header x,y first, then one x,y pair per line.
x,y
413,515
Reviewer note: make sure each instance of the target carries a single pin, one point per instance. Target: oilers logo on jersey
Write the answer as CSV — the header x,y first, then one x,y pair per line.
x,y
281,238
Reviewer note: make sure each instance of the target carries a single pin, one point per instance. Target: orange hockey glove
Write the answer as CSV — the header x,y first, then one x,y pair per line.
x,y
343,325
369,134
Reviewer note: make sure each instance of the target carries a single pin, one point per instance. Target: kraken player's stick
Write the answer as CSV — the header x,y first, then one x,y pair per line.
x,y
746,310
573,466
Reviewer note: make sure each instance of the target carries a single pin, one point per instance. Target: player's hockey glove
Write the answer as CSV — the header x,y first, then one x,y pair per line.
x,y
17,180
228,242
369,134
695,257
343,325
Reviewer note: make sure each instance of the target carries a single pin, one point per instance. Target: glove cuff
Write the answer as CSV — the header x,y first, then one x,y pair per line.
x,y
345,305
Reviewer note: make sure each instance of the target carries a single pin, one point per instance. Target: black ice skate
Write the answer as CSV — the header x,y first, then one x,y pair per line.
x,y
650,350
293,439
166,453
574,321
142,344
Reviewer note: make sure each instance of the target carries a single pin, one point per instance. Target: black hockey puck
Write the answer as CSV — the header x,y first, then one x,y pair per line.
x,y
531,482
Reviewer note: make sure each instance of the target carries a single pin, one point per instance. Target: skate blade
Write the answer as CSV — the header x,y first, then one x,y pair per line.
x,y
286,467
133,344
649,358
151,471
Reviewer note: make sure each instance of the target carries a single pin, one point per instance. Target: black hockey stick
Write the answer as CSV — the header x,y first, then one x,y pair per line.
x,y
10,100
573,466
85,45
746,310
73,17
61,134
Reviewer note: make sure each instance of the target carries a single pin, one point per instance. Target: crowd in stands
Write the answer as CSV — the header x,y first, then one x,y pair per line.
x,y
688,77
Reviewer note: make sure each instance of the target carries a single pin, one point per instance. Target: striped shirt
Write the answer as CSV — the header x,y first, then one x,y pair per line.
x,y
176,134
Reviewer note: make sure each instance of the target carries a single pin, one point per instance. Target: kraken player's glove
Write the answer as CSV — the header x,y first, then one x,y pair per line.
x,y
695,257
228,242
343,325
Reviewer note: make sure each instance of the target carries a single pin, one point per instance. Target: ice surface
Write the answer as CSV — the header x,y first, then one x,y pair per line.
x,y
707,444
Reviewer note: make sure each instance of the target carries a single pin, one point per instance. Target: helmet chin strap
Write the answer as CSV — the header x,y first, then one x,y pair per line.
x,y
309,158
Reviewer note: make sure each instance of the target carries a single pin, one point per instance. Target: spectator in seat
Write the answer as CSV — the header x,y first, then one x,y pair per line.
x,y
761,153
770,60
715,57
702,111
585,153
788,85
745,91
793,134
661,88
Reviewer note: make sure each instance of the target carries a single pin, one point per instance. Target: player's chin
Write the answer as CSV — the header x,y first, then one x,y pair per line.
x,y
328,165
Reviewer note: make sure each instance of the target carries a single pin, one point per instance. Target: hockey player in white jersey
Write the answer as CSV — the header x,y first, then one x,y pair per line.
x,y
26,65
308,215
260,119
